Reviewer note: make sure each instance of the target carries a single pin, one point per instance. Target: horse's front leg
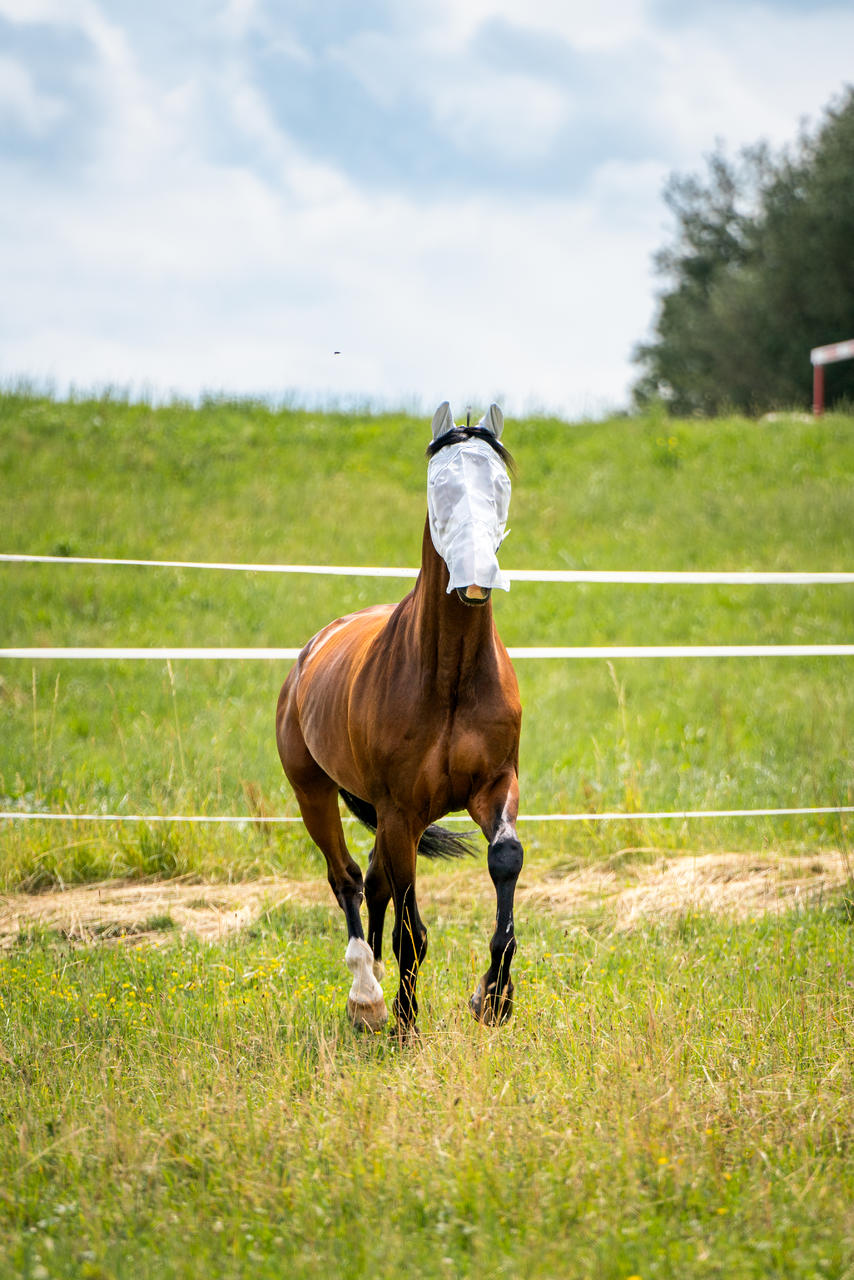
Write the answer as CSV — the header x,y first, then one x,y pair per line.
x,y
496,810
365,1004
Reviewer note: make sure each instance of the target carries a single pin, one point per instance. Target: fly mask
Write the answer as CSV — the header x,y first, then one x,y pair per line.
x,y
468,499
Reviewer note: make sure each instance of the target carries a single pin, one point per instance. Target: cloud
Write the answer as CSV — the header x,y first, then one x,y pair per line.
x,y
500,109
21,103
456,25
456,296
461,198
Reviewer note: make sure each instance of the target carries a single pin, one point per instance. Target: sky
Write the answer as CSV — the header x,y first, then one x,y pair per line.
x,y
384,203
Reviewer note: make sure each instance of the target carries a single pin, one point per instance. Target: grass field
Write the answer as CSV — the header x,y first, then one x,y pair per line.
x,y
674,1100
674,1096
242,483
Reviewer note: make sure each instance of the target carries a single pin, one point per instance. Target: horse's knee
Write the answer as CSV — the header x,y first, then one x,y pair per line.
x,y
504,860
349,885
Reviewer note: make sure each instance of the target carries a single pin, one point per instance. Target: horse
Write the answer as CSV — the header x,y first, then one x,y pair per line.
x,y
408,712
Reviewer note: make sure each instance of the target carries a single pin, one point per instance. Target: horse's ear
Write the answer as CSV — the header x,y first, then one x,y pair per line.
x,y
493,421
443,420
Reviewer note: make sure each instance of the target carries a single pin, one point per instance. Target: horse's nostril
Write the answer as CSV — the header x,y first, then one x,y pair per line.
x,y
474,596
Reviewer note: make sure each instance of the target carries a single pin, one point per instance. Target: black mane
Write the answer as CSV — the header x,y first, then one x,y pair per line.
x,y
457,435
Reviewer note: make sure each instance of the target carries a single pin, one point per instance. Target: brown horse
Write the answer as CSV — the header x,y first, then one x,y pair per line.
x,y
408,712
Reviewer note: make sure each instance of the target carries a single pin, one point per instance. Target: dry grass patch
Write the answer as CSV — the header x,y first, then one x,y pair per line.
x,y
113,910
637,884
740,885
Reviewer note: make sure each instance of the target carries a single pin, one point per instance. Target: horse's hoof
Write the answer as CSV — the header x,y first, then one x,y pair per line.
x,y
491,1007
367,1017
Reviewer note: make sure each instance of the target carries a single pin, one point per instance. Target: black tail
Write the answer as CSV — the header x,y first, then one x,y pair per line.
x,y
439,842
436,842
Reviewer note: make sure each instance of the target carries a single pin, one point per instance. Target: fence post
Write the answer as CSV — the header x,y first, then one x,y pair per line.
x,y
818,390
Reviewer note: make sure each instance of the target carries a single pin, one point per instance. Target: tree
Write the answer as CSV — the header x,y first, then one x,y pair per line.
x,y
761,269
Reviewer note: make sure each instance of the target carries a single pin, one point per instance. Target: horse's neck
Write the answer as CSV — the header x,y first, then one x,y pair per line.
x,y
455,640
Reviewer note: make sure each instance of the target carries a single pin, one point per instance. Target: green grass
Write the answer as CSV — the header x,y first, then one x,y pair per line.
x,y
672,1101
244,483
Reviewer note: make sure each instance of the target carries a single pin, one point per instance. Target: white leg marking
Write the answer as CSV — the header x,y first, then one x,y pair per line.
x,y
359,959
365,1004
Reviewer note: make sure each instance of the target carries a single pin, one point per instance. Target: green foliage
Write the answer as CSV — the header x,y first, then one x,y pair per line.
x,y
760,271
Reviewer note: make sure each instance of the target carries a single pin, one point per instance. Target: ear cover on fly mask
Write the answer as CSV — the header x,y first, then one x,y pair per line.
x,y
468,500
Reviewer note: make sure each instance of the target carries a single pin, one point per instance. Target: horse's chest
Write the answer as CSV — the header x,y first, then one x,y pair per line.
x,y
415,745
452,764
467,749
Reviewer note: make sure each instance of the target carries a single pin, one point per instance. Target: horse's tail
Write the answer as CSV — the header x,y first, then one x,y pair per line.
x,y
439,842
436,842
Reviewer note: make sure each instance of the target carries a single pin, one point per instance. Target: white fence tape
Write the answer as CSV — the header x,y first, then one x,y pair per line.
x,y
19,816
609,652
134,654
342,571
627,577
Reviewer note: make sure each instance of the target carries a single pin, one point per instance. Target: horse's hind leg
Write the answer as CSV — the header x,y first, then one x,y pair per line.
x,y
395,859
377,896
317,796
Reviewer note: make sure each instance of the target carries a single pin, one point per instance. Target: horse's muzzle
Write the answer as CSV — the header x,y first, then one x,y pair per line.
x,y
475,597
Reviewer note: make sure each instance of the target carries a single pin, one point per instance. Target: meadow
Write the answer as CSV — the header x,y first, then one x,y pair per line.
x,y
671,1098
242,483
671,1101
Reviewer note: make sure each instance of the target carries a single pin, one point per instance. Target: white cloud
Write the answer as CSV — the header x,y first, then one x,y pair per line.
x,y
752,75
59,11
236,17
229,285
21,103
516,116
168,261
607,24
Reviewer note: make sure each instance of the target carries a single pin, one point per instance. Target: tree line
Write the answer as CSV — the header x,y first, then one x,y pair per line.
x,y
760,270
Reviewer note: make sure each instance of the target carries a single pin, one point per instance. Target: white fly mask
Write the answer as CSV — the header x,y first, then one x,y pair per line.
x,y
468,499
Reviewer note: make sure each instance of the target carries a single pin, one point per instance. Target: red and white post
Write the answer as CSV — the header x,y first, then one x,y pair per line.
x,y
819,357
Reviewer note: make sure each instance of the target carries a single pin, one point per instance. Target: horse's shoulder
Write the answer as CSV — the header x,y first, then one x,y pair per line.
x,y
350,629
